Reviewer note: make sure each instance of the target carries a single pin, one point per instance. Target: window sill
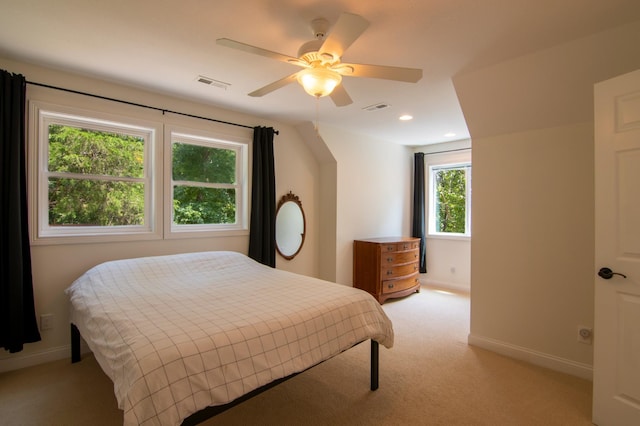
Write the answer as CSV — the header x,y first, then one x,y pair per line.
x,y
448,237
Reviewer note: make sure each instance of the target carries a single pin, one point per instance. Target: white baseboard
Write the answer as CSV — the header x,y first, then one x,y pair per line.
x,y
445,285
53,354
584,371
18,362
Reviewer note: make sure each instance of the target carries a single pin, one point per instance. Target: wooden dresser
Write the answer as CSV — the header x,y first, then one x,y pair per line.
x,y
387,267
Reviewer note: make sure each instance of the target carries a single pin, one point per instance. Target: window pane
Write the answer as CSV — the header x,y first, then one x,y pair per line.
x,y
197,163
76,150
84,202
450,202
197,205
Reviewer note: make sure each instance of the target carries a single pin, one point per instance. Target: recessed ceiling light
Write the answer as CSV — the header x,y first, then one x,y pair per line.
x,y
405,117
449,135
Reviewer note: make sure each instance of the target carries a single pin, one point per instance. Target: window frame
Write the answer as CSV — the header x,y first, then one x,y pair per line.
x,y
41,115
451,161
215,140
158,226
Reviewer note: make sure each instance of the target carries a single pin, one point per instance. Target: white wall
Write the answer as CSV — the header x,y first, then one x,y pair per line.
x,y
298,171
449,263
448,258
374,180
56,266
327,206
532,248
532,262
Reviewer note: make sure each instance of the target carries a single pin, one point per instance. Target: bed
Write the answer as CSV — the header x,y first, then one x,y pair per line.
x,y
179,333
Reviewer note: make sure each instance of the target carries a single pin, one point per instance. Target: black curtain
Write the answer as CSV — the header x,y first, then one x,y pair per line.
x,y
17,312
418,228
262,234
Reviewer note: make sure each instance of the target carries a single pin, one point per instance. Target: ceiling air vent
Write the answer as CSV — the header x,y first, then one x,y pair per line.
x,y
376,107
212,82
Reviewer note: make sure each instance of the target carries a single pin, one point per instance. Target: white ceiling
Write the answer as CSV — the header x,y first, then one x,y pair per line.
x,y
164,45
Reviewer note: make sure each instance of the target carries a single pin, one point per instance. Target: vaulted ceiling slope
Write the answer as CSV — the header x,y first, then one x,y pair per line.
x,y
165,46
548,88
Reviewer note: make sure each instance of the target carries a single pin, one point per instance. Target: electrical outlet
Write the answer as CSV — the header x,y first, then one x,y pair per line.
x,y
585,335
46,322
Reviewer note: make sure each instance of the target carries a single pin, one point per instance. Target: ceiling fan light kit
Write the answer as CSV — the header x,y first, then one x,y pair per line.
x,y
321,60
319,81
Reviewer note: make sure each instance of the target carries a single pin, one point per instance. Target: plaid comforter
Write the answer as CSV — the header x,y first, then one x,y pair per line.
x,y
182,332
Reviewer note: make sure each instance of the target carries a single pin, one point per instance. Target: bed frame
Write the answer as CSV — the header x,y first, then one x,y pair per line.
x,y
209,412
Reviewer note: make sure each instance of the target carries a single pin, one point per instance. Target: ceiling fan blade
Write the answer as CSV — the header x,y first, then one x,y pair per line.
x,y
409,75
340,97
345,31
274,86
259,51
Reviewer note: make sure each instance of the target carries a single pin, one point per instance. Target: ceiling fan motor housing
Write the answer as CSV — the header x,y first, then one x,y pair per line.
x,y
310,52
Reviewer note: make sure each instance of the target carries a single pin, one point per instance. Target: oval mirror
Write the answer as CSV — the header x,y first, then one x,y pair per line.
x,y
290,226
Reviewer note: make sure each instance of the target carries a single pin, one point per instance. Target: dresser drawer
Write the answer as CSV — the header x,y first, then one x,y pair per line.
x,y
391,286
402,246
408,245
388,248
398,271
397,258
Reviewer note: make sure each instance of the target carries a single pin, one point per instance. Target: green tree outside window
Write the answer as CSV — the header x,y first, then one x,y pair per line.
x,y
94,178
204,193
450,204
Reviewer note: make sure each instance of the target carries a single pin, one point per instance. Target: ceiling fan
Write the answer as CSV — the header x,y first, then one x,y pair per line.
x,y
321,60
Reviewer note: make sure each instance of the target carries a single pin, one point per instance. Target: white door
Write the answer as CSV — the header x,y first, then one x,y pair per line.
x,y
616,365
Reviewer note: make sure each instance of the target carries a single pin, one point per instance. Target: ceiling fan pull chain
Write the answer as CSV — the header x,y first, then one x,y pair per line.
x,y
317,112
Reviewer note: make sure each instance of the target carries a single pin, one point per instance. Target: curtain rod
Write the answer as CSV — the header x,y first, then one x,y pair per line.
x,y
163,110
445,151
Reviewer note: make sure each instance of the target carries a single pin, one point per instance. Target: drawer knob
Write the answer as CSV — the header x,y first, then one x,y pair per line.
x,y
389,259
390,286
389,272
389,248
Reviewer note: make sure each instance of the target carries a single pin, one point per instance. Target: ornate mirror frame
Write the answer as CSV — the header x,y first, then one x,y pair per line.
x,y
291,226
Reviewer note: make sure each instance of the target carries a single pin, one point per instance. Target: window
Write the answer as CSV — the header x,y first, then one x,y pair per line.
x,y
100,177
207,183
450,199
94,176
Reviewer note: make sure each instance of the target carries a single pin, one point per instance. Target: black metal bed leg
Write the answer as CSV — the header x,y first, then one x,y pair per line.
x,y
75,344
374,364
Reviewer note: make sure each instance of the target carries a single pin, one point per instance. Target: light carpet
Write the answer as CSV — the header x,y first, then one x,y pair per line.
x,y
430,377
